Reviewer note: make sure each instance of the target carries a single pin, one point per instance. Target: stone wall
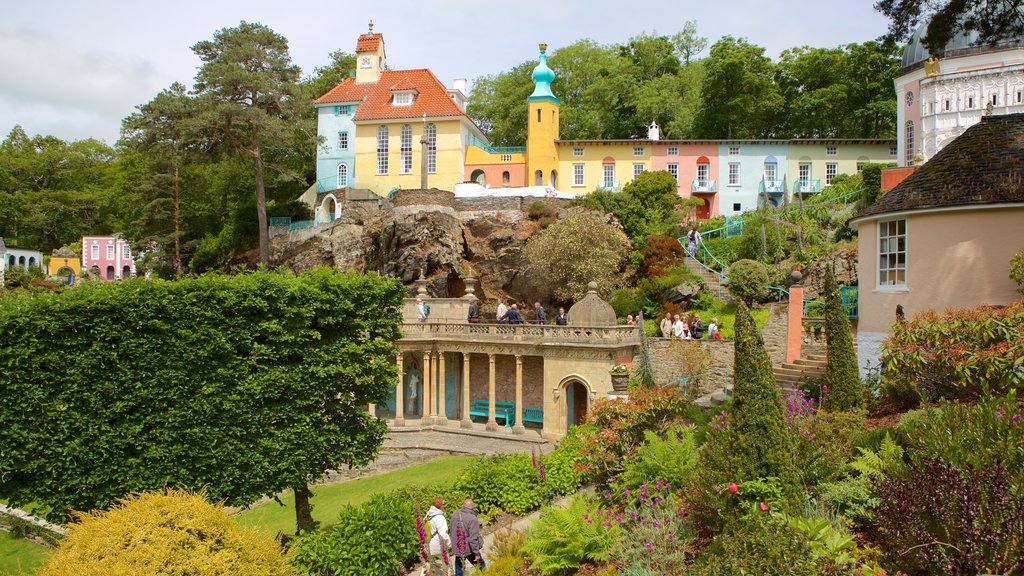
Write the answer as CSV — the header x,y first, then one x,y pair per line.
x,y
429,197
505,379
488,203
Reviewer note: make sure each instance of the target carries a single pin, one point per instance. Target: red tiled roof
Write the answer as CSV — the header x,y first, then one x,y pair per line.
x,y
345,91
368,42
432,97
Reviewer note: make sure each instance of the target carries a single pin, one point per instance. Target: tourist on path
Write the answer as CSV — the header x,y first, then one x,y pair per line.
x,y
677,327
693,239
502,309
713,330
474,312
421,310
512,316
629,320
666,326
697,328
542,316
440,538
562,319
468,541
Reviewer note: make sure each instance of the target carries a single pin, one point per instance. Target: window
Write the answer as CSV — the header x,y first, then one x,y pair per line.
x,y
577,174
830,172
860,167
831,151
538,115
947,104
344,110
405,150
994,100
805,171
638,151
95,252
970,102
1018,96
673,169
126,251
771,170
734,150
892,150
538,178
931,108
910,98
342,140
734,173
110,251
609,176
892,253
382,150
506,157
638,169
431,132
342,176
337,110
505,177
703,173
402,99
736,207
577,152
673,151
908,157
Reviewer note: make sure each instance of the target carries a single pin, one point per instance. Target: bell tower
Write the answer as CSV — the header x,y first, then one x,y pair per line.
x,y
542,127
370,57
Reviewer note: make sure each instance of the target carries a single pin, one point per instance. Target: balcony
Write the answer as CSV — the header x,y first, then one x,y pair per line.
x,y
608,185
532,334
771,187
704,186
807,186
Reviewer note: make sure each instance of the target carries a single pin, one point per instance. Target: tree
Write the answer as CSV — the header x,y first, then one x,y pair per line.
x,y
841,375
324,78
165,532
569,254
246,385
758,418
748,281
688,43
655,192
992,20
499,104
248,90
739,98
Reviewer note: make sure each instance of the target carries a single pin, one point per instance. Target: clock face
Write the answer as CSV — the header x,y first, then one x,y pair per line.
x,y
910,98
365,62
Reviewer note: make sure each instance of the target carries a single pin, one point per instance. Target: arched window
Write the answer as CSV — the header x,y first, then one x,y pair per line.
x,y
431,132
505,178
538,115
382,150
554,179
342,176
538,178
909,143
479,177
406,149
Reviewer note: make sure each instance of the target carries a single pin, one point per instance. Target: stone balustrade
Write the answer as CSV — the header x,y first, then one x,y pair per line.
x,y
529,333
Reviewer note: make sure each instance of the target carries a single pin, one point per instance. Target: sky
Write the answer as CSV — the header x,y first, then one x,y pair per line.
x,y
75,69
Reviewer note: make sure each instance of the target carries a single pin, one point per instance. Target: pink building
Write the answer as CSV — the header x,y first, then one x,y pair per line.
x,y
107,257
694,163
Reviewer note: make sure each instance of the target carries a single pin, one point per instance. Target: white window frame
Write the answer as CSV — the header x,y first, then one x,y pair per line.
x,y
893,150
638,151
860,166
607,175
734,150
577,152
343,140
431,131
110,251
638,169
95,252
831,151
402,99
578,174
908,142
342,176
126,251
382,150
673,169
673,151
831,170
892,255
704,173
771,171
405,150
804,172
734,173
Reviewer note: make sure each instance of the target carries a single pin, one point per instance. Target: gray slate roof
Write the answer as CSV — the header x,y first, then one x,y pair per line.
x,y
984,165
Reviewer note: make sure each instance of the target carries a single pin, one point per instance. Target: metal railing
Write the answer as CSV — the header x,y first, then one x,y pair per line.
x,y
474,141
807,186
282,221
704,186
849,296
771,186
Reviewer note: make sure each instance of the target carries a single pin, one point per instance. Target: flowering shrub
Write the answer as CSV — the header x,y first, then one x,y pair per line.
x,y
562,540
654,528
962,353
660,460
618,427
756,543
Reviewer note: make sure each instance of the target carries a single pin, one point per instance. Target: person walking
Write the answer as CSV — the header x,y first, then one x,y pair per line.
x,y
713,330
666,326
474,312
697,327
693,239
469,543
502,309
421,310
440,539
512,316
562,319
542,316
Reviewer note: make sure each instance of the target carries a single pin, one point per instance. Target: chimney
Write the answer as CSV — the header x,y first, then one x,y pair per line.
x,y
653,132
458,93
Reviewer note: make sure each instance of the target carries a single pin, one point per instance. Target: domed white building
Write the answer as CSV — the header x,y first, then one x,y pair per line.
x,y
941,95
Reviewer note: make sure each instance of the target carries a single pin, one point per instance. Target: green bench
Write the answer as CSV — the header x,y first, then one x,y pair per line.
x,y
535,415
505,410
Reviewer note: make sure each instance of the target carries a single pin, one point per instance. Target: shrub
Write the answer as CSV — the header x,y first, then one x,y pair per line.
x,y
852,497
560,466
629,301
562,540
509,557
824,443
618,427
654,529
748,281
659,253
506,482
1017,270
756,544
164,532
952,522
368,540
842,380
957,354
660,460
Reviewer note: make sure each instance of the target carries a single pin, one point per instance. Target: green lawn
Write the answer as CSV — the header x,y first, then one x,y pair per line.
x,y
328,500
20,556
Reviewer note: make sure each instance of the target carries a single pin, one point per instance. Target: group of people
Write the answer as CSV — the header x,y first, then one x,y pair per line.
x,y
680,327
465,542
511,315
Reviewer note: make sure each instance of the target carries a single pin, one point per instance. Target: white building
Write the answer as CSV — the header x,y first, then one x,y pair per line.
x,y
940,97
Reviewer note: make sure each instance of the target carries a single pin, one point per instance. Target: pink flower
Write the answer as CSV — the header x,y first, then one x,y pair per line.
x,y
764,507
733,488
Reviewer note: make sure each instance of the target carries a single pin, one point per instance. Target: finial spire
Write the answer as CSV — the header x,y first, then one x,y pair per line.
x,y
543,46
371,25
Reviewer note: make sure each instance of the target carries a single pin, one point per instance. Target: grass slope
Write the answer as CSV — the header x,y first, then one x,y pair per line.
x,y
19,556
328,500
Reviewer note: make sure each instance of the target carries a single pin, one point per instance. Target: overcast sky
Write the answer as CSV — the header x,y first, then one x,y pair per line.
x,y
75,69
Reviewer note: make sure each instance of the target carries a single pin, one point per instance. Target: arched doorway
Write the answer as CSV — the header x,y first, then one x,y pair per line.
x,y
538,178
66,274
479,176
329,208
704,210
126,271
577,395
110,273
94,273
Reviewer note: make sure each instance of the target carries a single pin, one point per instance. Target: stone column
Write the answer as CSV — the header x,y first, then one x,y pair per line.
x,y
442,413
400,394
795,322
466,422
426,414
372,409
518,427
492,422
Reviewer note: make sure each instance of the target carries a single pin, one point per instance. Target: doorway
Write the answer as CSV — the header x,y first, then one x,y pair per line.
x,y
576,403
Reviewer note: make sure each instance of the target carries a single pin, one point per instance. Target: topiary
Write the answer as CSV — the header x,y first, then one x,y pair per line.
x,y
842,379
748,281
165,532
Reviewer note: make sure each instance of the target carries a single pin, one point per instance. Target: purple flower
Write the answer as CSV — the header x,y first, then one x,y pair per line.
x,y
618,519
671,536
648,546
533,457
1016,418
401,569
626,493
632,515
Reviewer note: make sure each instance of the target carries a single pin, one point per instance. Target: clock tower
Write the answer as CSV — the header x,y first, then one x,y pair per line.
x,y
370,57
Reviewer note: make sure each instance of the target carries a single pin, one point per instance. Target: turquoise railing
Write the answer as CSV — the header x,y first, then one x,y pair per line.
x,y
778,292
807,186
704,186
733,227
771,186
474,141
282,221
301,225
683,381
849,296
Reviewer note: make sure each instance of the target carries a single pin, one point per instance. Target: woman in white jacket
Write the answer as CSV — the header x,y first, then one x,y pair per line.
x,y
439,537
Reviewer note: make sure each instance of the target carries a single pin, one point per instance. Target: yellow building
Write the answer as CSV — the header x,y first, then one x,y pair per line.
x,y
64,263
606,164
542,127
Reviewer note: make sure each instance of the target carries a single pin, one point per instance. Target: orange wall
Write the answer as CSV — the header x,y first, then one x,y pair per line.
x,y
492,172
891,177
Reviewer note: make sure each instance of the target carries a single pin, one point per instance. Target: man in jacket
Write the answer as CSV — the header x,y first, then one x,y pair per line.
x,y
542,316
512,316
468,542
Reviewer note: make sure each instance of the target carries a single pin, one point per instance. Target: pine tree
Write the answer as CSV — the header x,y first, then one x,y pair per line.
x,y
841,376
758,418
